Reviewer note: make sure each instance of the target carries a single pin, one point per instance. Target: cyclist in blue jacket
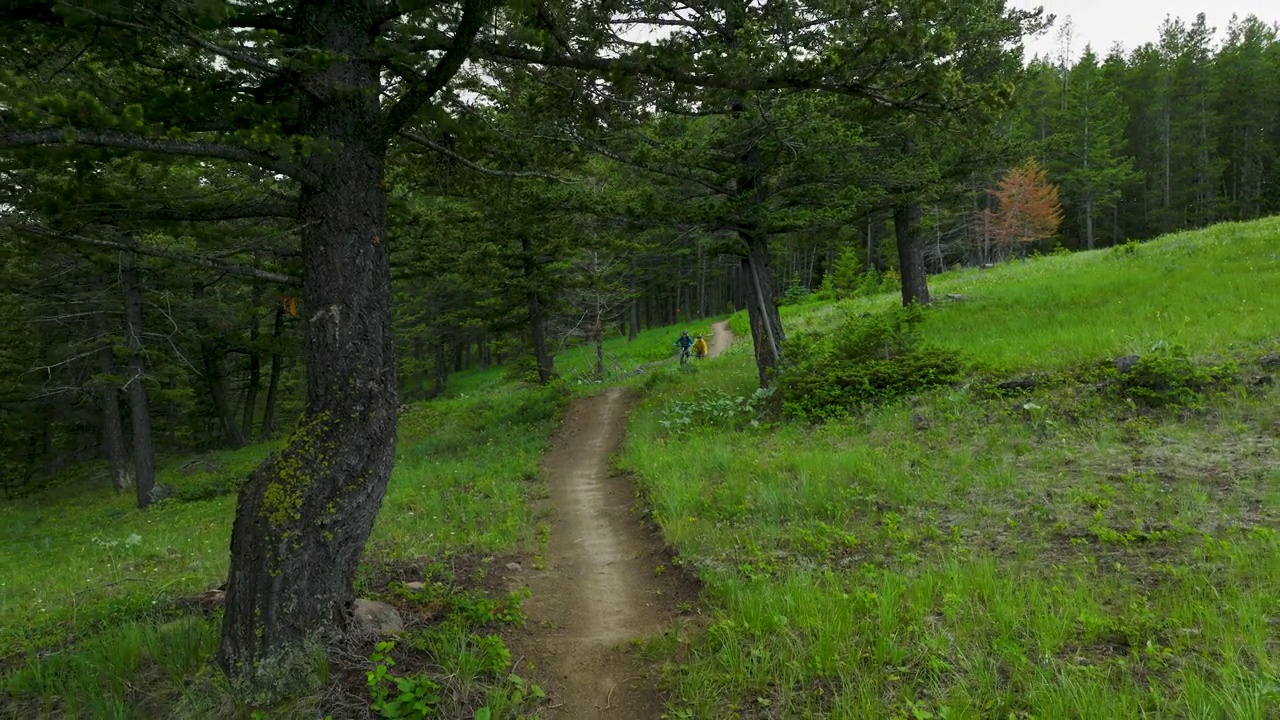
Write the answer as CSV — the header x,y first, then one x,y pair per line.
x,y
684,342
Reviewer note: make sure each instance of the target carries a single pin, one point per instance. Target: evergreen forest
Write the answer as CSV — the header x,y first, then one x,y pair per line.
x,y
319,312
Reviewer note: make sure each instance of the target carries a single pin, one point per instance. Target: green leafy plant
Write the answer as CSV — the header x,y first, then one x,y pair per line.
x,y
721,410
399,697
868,359
478,610
1168,377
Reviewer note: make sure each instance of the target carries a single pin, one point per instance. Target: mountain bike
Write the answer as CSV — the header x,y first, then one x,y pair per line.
x,y
684,355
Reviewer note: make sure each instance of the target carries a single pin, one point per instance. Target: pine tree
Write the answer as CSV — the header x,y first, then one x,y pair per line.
x,y
1247,93
1028,209
1089,160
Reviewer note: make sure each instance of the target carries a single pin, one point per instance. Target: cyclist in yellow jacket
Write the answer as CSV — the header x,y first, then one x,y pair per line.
x,y
700,347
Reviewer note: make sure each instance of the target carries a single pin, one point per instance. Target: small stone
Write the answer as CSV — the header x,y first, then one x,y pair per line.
x,y
377,617
415,586
1270,361
1126,363
920,422
160,492
515,566
1019,384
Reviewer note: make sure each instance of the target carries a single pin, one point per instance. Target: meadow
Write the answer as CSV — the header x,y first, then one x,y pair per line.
x,y
973,553
967,552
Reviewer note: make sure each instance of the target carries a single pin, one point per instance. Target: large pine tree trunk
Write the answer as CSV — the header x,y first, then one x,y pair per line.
x,y
538,330
597,333
441,368
1088,223
255,381
420,365
268,428
757,262
906,225
305,514
144,472
537,319
762,310
211,357
112,430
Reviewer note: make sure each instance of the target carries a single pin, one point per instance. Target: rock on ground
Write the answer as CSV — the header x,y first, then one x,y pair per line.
x,y
377,617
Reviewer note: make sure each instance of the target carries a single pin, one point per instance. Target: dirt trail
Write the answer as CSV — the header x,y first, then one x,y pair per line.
x,y
721,338
605,579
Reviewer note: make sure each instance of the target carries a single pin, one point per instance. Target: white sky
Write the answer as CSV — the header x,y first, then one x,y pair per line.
x,y
1102,23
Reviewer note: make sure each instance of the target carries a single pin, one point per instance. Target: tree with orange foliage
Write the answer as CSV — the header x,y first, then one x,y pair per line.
x,y
1027,207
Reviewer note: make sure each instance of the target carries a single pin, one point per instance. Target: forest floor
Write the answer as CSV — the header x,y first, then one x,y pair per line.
x,y
606,578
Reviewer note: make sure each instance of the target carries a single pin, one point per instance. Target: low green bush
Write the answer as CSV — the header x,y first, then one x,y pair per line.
x,y
720,410
1168,377
868,359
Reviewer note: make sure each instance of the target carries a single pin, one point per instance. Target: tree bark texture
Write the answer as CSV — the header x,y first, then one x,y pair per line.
x,y
906,225
144,472
305,514
766,324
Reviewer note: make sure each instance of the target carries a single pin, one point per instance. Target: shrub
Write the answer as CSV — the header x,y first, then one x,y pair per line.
x,y
869,359
1168,377
523,368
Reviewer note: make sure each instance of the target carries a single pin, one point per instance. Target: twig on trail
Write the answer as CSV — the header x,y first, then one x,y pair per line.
x,y
608,701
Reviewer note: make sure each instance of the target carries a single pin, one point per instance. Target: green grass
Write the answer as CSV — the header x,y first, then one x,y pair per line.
x,y
961,555
88,583
1211,290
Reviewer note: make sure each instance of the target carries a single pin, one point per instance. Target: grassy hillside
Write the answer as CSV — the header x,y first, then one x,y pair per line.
x,y
961,553
970,553
1211,290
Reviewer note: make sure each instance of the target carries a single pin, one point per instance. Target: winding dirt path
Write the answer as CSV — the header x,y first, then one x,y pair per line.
x,y
604,580
721,338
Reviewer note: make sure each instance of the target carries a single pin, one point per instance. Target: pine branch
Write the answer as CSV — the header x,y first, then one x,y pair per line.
x,y
264,21
422,89
211,263
670,172
207,213
161,146
665,69
472,165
